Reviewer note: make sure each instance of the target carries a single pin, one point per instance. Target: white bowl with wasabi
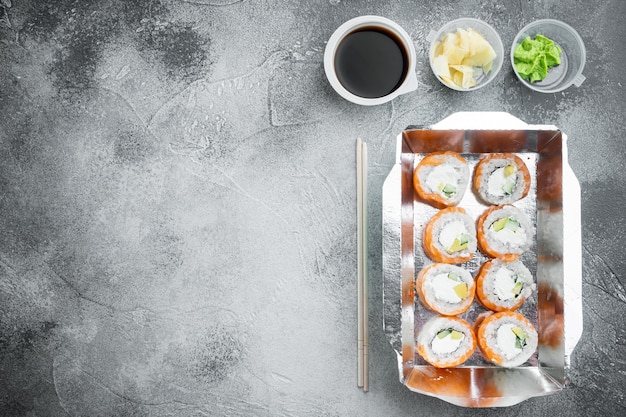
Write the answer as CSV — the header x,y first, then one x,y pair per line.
x,y
548,56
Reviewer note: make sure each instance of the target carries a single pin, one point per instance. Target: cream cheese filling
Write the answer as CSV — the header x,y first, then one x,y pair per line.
x,y
451,231
497,181
505,339
445,345
504,283
442,287
507,235
440,176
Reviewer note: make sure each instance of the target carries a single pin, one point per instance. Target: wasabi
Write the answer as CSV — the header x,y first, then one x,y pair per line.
x,y
534,57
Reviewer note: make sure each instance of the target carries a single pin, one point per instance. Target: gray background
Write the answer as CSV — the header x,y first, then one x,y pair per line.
x,y
177,205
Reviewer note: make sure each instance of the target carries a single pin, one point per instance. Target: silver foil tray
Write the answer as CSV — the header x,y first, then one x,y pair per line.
x,y
553,204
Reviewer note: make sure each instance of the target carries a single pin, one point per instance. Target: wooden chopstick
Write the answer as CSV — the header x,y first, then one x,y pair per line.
x,y
366,383
362,278
359,255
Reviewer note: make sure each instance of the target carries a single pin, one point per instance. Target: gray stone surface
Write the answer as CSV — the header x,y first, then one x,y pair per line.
x,y
177,205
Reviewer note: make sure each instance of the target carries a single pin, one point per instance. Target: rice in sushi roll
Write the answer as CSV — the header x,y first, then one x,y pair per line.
x,y
446,289
507,338
450,236
441,178
501,178
504,232
503,285
445,342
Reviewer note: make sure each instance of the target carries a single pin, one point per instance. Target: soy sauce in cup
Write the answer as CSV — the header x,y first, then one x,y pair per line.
x,y
371,62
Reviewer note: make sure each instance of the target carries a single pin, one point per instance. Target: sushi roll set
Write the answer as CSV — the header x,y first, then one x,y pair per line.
x,y
451,238
451,235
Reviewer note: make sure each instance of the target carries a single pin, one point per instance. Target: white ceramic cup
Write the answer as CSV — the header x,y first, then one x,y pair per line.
x,y
409,83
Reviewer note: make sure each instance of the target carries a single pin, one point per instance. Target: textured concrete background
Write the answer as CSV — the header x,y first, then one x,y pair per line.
x,y
177,205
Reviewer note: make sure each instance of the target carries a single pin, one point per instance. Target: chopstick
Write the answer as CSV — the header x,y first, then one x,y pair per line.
x,y
362,278
359,255
366,380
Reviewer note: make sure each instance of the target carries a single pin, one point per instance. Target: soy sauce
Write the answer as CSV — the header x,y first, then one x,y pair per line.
x,y
371,62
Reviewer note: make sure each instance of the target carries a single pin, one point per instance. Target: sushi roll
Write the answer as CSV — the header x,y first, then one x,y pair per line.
x,y
446,289
450,236
504,232
441,178
501,178
445,342
507,338
503,285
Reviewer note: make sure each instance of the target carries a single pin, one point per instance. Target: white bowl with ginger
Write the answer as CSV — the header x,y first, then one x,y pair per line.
x,y
466,54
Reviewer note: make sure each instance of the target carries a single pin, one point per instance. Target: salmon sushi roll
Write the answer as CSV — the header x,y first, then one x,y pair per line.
x,y
441,178
503,285
446,289
507,339
450,236
504,232
501,178
446,342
